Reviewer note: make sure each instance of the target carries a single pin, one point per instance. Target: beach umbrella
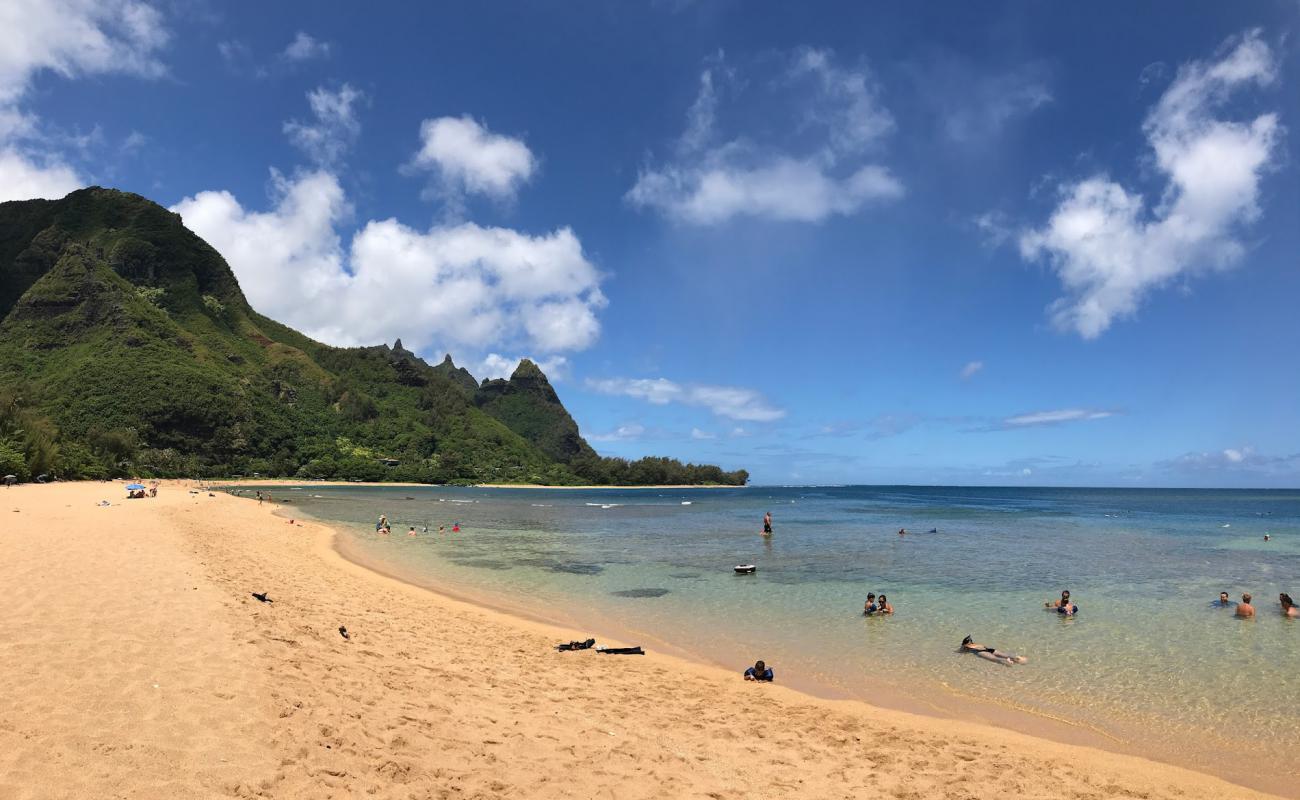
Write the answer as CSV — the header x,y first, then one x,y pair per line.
x,y
10,480
134,487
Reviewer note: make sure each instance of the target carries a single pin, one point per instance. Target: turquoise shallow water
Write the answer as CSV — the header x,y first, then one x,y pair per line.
x,y
1148,665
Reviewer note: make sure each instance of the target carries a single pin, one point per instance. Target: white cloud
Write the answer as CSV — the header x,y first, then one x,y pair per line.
x,y
700,435
22,178
619,434
969,371
71,38
1110,251
1055,417
452,285
709,181
1243,460
468,158
336,127
495,365
732,402
305,48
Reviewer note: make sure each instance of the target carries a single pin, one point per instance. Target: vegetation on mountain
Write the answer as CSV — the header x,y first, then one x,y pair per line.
x,y
128,348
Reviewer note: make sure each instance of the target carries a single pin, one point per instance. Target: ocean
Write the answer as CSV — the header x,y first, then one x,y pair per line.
x,y
1149,665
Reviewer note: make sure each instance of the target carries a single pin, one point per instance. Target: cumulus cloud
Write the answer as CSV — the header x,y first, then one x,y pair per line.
x,y
1110,247
305,47
70,38
495,365
467,158
971,369
335,128
622,433
1245,460
732,402
1055,417
452,285
700,435
838,118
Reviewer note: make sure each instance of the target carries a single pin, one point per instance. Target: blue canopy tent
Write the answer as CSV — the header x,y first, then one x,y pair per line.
x,y
134,487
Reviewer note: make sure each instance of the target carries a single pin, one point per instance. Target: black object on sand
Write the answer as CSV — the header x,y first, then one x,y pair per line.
x,y
621,651
587,645
263,597
343,631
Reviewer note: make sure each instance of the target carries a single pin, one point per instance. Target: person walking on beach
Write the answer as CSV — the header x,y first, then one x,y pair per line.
x,y
767,524
1244,609
1288,606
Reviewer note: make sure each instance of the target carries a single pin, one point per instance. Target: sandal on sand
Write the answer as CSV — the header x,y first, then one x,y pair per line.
x,y
587,645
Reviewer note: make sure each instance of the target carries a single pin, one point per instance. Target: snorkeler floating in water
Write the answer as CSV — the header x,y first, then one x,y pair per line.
x,y
991,653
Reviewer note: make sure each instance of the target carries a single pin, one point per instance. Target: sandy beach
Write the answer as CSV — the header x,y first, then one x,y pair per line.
x,y
135,663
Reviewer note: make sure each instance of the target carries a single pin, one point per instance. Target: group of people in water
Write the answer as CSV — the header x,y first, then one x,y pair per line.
x,y
1244,609
384,528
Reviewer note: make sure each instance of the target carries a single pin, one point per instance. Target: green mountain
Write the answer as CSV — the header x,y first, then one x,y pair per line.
x,y
127,347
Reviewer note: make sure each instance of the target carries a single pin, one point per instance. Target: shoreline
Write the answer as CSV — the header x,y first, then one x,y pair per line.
x,y
225,483
947,705
201,691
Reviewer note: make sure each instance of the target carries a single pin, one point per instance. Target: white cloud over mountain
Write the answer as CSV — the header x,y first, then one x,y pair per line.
x,y
450,285
732,402
838,118
71,38
1111,246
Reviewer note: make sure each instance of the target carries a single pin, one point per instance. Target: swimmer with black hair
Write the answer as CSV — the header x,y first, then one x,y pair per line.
x,y
991,653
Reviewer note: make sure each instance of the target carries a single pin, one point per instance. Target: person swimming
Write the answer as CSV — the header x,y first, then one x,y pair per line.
x,y
1064,601
883,606
991,653
1223,601
760,672
870,608
1289,608
411,532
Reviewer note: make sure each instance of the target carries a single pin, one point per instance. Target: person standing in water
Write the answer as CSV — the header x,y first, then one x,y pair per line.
x,y
767,524
1244,609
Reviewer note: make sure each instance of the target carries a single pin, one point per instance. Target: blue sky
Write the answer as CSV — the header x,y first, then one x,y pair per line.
x,y
976,243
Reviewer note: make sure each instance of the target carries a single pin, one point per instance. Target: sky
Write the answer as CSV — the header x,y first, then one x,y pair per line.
x,y
966,243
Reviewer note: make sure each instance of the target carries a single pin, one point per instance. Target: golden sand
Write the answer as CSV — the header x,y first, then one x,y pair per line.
x,y
134,663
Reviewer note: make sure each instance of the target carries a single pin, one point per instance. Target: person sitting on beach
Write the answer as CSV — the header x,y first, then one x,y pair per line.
x,y
883,606
1244,609
760,672
990,653
1223,601
767,524
870,608
1288,606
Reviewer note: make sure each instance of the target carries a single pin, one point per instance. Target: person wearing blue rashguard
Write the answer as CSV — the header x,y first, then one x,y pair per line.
x,y
760,672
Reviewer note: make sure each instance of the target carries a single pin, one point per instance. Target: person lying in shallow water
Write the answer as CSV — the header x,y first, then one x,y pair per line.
x,y
990,653
760,672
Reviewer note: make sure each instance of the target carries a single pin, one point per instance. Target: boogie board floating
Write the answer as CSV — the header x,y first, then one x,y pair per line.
x,y
745,569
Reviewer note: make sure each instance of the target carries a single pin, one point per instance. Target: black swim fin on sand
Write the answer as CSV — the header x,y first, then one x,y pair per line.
x,y
621,651
587,645
343,631
263,597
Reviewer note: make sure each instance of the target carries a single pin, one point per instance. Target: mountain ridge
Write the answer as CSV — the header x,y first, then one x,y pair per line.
x,y
128,347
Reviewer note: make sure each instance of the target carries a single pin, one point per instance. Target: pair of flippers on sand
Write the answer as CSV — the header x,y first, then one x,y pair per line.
x,y
264,597
590,643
